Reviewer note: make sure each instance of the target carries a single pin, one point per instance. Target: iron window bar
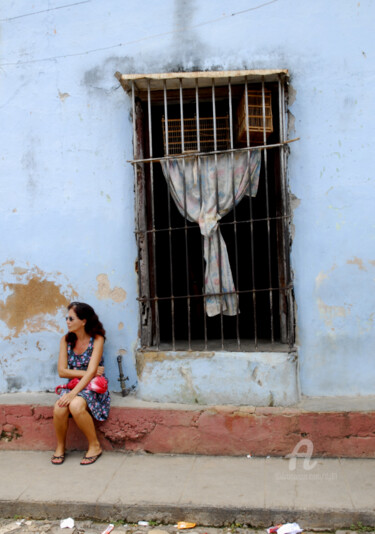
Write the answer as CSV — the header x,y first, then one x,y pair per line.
x,y
169,220
237,292
237,276
222,224
197,122
155,334
285,287
185,215
254,302
218,210
265,159
213,152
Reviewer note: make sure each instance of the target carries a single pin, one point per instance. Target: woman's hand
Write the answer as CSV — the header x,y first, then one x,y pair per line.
x,y
100,371
66,399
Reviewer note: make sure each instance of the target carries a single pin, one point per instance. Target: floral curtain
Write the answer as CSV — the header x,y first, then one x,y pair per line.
x,y
204,192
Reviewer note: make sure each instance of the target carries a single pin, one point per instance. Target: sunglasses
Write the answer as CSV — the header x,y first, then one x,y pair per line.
x,y
70,319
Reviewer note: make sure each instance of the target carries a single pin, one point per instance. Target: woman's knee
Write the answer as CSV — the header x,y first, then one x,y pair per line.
x,y
60,411
77,406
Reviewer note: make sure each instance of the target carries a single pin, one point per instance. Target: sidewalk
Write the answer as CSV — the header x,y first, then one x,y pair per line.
x,y
208,490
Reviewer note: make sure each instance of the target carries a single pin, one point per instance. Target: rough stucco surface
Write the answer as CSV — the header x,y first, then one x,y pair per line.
x,y
67,198
210,430
260,378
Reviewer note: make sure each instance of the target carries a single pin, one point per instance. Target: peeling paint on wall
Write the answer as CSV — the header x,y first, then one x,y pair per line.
x,y
319,279
358,262
336,312
291,124
294,204
63,96
30,301
19,270
186,374
329,313
143,358
324,275
117,294
291,95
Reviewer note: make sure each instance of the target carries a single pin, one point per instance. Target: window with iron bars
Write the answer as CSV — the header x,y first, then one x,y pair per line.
x,y
192,116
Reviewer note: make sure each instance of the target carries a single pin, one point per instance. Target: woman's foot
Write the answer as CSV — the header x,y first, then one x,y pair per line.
x,y
58,460
88,460
59,455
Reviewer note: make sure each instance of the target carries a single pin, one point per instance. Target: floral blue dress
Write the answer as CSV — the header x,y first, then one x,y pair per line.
x,y
98,403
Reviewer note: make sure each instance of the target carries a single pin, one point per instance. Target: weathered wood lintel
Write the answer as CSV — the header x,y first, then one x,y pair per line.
x,y
204,78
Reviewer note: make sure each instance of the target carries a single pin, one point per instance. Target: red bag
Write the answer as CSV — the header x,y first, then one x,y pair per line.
x,y
99,384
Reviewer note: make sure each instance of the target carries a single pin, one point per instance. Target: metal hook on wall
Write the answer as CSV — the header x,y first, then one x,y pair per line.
x,y
122,378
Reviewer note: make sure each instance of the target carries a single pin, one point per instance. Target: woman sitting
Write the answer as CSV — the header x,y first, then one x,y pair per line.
x,y
81,357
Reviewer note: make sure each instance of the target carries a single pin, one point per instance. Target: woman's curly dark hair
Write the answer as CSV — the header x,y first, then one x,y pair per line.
x,y
93,326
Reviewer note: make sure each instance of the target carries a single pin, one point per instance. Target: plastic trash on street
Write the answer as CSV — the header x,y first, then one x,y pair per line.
x,y
143,523
67,523
273,529
108,529
287,528
184,524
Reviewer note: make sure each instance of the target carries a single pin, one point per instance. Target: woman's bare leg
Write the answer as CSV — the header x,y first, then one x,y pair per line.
x,y
84,421
60,421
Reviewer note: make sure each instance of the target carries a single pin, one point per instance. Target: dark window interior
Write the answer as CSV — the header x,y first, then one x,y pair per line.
x,y
178,251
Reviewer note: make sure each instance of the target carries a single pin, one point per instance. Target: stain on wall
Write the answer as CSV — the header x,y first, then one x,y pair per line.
x,y
329,313
30,301
63,96
14,383
117,294
358,262
187,48
100,78
351,309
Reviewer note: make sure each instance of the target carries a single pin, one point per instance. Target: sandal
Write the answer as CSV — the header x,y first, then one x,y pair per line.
x,y
58,460
91,459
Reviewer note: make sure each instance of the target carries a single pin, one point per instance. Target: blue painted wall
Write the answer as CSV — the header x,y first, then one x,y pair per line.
x,y
67,201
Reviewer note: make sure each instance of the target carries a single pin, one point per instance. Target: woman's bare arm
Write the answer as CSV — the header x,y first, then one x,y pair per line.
x,y
62,365
86,375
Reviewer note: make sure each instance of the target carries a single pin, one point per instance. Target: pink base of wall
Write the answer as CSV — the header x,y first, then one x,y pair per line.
x,y
212,431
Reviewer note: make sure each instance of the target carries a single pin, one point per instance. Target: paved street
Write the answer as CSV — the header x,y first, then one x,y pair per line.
x,y
23,526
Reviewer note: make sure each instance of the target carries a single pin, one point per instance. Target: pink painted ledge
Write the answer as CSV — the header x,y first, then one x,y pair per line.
x,y
26,424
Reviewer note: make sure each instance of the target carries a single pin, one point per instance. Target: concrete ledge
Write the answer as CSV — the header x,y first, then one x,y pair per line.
x,y
306,404
213,430
202,377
